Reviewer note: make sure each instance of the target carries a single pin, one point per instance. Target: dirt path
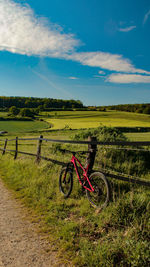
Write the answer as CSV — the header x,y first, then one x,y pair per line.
x,y
20,243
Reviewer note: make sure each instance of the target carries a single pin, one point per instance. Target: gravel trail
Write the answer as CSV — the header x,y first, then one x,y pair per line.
x,y
20,243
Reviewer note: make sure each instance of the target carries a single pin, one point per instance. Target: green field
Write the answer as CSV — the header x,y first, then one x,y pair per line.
x,y
76,120
3,114
22,126
91,119
138,136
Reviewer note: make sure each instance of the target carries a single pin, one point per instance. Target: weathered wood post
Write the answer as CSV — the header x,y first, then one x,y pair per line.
x,y
39,149
92,148
16,152
5,145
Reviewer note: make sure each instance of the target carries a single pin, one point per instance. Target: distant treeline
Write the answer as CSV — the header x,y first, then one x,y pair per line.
x,y
59,104
33,102
138,108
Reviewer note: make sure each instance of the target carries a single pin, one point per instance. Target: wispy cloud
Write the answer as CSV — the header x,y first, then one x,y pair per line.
x,y
107,61
73,78
128,78
98,76
21,31
146,17
53,85
127,29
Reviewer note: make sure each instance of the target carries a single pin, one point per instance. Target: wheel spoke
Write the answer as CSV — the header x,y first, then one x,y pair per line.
x,y
65,182
100,197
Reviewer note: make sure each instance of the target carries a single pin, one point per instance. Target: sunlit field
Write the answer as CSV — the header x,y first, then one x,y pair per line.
x,y
91,119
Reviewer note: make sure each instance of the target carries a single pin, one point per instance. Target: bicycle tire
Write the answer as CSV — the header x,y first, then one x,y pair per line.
x,y
100,197
65,187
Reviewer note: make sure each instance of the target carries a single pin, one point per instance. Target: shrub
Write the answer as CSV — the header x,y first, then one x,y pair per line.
x,y
26,112
147,110
102,134
14,111
123,161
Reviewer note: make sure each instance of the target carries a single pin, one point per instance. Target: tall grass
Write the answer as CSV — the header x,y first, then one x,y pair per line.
x,y
129,162
118,236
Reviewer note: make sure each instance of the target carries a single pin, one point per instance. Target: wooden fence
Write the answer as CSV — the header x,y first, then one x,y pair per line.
x,y
92,148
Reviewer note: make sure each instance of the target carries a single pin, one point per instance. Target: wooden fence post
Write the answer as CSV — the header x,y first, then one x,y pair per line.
x,y
39,149
16,152
3,152
92,148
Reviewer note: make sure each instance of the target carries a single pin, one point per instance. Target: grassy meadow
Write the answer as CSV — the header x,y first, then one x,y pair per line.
x,y
138,136
91,119
119,234
63,120
22,126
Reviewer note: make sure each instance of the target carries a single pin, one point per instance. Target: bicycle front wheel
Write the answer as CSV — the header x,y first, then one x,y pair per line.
x,y
66,182
98,198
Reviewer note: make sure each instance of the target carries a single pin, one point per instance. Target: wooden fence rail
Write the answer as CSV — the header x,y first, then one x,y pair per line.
x,y
92,142
92,148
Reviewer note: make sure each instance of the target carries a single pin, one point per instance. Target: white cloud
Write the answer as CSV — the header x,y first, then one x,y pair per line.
x,y
128,78
98,76
73,78
112,62
101,72
127,29
146,17
24,33
21,31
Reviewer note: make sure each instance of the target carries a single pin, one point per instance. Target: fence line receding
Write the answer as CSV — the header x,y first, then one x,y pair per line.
x,y
90,158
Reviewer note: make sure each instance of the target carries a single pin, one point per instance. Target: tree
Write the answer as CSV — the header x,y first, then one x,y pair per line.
x,y
14,111
26,112
40,107
146,110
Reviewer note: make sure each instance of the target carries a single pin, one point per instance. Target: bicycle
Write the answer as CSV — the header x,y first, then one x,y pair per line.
x,y
95,184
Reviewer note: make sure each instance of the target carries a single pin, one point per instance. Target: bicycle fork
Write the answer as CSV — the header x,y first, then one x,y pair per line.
x,y
69,167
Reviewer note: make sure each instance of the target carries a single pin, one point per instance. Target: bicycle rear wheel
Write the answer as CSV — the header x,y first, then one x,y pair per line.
x,y
66,182
98,198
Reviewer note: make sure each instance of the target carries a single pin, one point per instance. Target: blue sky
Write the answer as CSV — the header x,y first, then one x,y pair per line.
x,y
91,50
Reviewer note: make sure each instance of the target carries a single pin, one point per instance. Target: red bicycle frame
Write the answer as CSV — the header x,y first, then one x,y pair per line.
x,y
85,171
